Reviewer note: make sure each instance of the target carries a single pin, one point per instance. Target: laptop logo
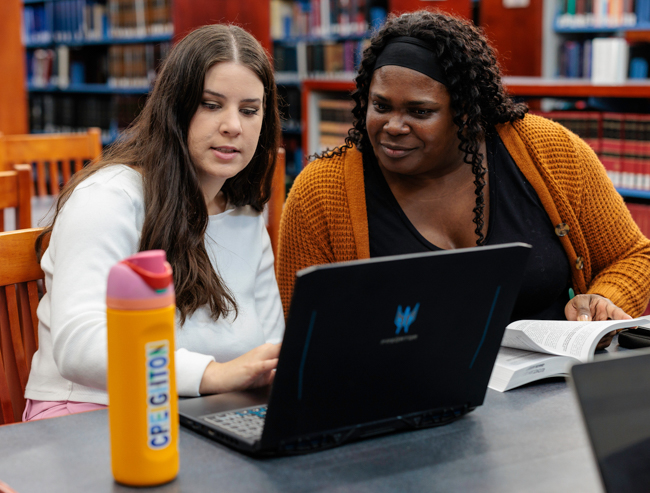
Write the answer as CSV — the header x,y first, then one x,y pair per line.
x,y
404,319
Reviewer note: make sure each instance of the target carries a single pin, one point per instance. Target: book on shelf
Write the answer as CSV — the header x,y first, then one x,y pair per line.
x,y
318,59
612,146
334,122
609,60
65,21
536,349
95,21
575,59
63,66
36,23
643,11
599,13
635,152
39,67
320,18
128,65
135,65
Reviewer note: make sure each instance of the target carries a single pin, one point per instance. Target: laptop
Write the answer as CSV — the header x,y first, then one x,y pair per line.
x,y
374,346
614,398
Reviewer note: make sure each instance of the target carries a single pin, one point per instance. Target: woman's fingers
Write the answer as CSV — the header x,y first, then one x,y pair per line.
x,y
586,307
579,308
616,313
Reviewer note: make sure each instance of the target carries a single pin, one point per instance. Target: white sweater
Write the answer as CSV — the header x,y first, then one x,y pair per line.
x,y
100,225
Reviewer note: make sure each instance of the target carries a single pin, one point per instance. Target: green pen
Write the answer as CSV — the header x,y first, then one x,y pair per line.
x,y
572,293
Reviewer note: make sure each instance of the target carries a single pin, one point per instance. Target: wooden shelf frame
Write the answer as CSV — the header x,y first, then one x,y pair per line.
x,y
575,88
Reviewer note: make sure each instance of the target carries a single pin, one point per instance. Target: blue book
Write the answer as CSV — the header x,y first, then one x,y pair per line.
x,y
56,20
77,73
377,17
573,60
638,68
49,20
642,11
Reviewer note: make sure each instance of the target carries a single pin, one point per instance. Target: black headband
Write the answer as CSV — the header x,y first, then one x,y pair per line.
x,y
413,53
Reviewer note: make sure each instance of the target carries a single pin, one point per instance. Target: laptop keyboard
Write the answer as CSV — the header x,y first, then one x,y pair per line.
x,y
247,423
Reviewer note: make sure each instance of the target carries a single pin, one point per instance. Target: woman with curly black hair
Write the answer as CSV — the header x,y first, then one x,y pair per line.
x,y
439,157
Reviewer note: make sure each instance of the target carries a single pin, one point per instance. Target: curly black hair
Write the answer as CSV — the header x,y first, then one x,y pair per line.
x,y
477,96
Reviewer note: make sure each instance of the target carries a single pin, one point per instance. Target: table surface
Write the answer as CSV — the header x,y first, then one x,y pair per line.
x,y
528,439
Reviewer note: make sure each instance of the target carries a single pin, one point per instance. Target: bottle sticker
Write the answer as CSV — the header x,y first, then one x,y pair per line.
x,y
158,395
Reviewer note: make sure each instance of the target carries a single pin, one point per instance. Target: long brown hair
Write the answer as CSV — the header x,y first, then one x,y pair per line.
x,y
176,216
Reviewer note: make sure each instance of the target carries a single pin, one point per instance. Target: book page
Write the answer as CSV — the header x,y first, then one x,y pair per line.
x,y
562,337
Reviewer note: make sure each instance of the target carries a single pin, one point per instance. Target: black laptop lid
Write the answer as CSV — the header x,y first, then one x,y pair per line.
x,y
375,339
614,396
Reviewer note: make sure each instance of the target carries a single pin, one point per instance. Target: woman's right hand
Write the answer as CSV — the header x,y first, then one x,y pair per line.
x,y
256,368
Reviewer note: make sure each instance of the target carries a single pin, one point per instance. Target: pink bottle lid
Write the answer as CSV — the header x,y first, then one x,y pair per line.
x,y
141,282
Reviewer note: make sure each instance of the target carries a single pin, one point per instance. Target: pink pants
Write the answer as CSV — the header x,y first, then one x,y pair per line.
x,y
51,409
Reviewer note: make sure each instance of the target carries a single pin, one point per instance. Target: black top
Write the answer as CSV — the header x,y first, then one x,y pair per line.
x,y
516,214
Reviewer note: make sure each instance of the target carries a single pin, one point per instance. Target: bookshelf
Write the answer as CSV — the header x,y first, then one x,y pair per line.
x,y
314,93
575,88
92,62
89,61
590,34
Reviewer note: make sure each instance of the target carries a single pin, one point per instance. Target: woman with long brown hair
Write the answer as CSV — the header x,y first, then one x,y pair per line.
x,y
190,176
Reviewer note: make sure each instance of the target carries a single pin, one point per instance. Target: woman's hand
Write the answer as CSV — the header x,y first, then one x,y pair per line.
x,y
255,368
587,307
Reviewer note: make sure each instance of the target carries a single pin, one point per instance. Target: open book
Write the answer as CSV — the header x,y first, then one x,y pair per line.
x,y
536,349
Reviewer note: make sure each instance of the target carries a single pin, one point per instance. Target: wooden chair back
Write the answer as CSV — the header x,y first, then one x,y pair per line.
x,y
276,202
19,273
55,157
15,192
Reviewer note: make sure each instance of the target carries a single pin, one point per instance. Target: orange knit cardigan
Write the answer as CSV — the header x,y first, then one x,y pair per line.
x,y
325,219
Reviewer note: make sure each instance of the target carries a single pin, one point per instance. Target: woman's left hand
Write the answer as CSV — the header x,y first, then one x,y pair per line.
x,y
587,307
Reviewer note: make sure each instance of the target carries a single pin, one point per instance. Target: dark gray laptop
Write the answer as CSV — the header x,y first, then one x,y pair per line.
x,y
614,397
375,346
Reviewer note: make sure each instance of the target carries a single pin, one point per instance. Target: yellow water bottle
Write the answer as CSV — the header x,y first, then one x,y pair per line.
x,y
143,404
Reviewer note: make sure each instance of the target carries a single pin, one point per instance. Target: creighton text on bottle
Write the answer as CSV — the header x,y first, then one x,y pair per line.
x,y
158,395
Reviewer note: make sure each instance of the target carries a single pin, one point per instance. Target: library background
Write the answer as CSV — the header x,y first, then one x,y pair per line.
x,y
76,64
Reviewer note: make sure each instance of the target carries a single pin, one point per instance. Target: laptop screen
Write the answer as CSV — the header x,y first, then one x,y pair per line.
x,y
614,395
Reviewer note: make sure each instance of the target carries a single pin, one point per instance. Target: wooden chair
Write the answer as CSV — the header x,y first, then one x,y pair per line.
x,y
15,191
19,273
64,153
276,202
